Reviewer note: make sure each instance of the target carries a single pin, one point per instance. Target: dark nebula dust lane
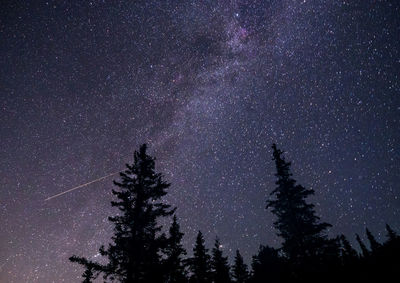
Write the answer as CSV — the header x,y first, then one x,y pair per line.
x,y
209,86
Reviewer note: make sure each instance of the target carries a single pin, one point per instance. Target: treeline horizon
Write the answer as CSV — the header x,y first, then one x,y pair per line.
x,y
140,251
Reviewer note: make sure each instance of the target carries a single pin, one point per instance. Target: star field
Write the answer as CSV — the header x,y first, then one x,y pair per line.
x,y
209,85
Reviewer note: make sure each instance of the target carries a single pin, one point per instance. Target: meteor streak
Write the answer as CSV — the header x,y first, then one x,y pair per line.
x,y
83,185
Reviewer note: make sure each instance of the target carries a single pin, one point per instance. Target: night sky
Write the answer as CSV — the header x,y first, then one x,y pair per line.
x,y
209,85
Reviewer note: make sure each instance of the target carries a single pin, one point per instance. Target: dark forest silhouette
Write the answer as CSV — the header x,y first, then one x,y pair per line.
x,y
140,252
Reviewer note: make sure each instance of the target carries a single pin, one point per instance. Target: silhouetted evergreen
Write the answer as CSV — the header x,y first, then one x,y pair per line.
x,y
389,254
240,272
267,265
297,223
92,269
140,252
200,263
374,245
364,250
88,275
134,253
391,235
174,267
348,254
219,265
381,263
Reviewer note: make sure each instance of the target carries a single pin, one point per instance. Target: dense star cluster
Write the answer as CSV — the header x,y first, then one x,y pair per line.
x,y
209,86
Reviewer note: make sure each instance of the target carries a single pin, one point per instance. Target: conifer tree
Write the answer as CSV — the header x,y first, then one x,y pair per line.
x,y
92,269
174,267
134,252
364,250
219,263
240,272
374,245
391,234
200,263
348,254
299,226
267,265
347,249
88,275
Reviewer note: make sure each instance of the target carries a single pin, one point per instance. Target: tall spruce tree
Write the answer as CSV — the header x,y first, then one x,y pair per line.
x,y
174,266
219,264
199,264
373,243
364,250
88,275
240,272
92,269
347,253
347,249
267,265
134,252
299,226
391,234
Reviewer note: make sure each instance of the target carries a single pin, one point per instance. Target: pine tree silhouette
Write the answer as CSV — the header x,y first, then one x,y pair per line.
x,y
134,253
219,264
267,266
200,263
92,269
374,245
240,272
364,250
348,253
391,234
174,266
303,235
140,252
